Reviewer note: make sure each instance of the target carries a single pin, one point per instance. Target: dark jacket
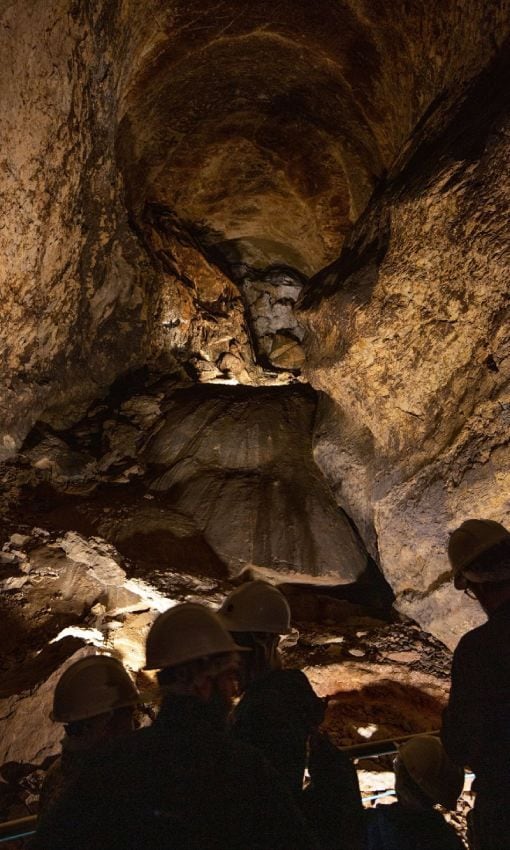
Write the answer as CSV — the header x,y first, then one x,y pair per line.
x,y
181,784
476,722
279,714
394,827
64,771
332,801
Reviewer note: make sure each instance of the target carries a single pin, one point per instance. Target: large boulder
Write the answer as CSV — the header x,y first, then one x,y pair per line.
x,y
238,461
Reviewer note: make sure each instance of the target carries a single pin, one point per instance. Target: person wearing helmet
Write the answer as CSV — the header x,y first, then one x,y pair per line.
x,y
424,777
183,782
476,722
94,699
280,714
278,710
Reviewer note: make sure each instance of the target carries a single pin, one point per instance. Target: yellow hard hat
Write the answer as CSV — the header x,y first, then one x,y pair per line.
x,y
256,607
185,633
426,762
479,551
91,686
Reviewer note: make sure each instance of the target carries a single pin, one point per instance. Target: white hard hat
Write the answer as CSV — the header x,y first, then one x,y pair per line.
x,y
426,762
256,607
479,551
91,686
185,633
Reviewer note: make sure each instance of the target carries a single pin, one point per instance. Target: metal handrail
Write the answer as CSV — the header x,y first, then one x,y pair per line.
x,y
19,828
23,827
375,749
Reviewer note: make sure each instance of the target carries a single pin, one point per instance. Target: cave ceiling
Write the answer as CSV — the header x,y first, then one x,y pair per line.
x,y
269,124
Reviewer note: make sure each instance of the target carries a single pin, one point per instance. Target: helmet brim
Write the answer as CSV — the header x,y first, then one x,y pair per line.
x,y
460,581
474,575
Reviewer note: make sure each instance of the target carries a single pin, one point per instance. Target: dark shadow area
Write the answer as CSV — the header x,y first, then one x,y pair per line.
x,y
370,595
455,134
160,549
38,669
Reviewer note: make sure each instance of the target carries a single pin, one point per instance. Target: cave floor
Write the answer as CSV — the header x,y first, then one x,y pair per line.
x,y
90,551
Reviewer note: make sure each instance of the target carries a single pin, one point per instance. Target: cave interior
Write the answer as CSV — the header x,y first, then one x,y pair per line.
x,y
254,324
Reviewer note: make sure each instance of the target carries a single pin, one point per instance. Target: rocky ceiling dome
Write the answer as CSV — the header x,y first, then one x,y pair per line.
x,y
263,126
269,123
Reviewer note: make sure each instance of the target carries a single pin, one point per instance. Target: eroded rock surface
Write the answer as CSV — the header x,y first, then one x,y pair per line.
x,y
151,153
239,463
212,478
265,128
410,338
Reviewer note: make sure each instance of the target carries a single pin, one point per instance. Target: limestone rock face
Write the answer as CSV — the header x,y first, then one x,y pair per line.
x,y
270,297
150,149
28,734
75,600
73,275
271,125
410,338
195,478
266,130
239,463
199,315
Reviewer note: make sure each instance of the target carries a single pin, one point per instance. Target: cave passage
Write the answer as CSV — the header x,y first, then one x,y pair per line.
x,y
254,325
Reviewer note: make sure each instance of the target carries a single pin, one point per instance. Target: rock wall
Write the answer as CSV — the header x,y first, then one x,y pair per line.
x,y
265,132
73,279
239,463
268,128
409,335
182,478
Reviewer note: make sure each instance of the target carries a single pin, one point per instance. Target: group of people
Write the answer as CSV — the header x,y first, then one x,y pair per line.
x,y
224,763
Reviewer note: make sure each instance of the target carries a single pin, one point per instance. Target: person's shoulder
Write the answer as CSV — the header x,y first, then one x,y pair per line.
x,y
124,750
246,760
292,676
284,694
52,784
289,680
471,641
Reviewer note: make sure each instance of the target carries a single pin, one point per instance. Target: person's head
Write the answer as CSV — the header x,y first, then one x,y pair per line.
x,y
194,655
256,614
425,776
479,553
95,698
